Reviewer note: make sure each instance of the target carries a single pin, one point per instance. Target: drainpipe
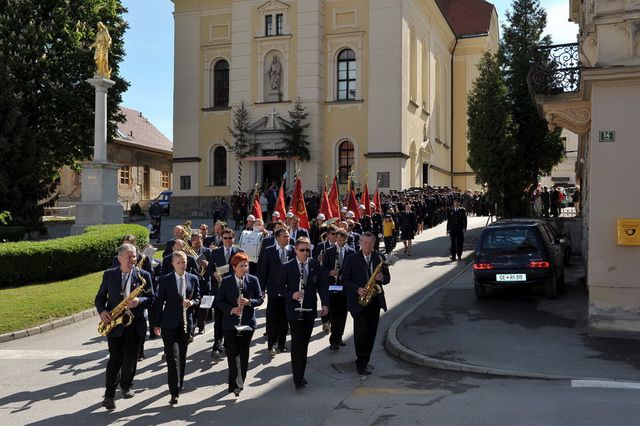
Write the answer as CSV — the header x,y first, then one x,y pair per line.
x,y
451,141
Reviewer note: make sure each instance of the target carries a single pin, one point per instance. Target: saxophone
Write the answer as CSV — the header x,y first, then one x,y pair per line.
x,y
373,288
121,314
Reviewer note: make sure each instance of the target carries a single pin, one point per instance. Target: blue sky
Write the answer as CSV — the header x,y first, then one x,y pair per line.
x,y
149,46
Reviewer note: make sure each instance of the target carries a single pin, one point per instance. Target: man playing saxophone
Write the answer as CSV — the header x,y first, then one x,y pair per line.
x,y
356,273
123,341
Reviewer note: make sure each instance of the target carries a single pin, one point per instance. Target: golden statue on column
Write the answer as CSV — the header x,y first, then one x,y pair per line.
x,y
101,55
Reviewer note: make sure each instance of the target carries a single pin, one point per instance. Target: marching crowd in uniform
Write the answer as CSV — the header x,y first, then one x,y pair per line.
x,y
337,261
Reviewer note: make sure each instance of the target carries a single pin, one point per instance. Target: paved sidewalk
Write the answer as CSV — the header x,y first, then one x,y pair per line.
x,y
513,333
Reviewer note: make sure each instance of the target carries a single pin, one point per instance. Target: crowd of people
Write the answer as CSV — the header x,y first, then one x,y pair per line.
x,y
549,202
206,277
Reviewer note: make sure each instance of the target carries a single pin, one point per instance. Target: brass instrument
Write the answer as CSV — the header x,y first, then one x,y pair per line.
x,y
186,236
373,288
121,314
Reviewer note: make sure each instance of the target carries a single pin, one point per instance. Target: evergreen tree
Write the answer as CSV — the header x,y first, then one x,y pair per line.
x,y
294,138
537,149
492,152
239,131
47,110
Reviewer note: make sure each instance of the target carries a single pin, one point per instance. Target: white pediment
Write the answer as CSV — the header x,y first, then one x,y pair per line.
x,y
273,5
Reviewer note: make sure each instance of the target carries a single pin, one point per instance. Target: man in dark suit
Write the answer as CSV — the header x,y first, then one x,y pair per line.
x,y
269,269
456,227
221,257
376,224
215,240
178,296
330,240
357,271
332,267
124,342
317,229
167,263
178,233
205,279
295,231
298,283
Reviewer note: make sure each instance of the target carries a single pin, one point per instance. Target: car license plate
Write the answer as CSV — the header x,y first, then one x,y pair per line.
x,y
511,277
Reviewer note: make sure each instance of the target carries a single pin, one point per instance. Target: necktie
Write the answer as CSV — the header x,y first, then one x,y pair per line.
x,y
124,288
283,255
368,260
183,294
226,255
341,257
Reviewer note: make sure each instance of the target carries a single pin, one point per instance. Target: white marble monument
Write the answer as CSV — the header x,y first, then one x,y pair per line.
x,y
99,178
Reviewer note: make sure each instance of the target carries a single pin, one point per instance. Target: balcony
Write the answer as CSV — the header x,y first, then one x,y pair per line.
x,y
554,81
555,69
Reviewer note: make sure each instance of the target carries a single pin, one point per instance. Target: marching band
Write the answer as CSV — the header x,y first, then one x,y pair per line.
x,y
292,272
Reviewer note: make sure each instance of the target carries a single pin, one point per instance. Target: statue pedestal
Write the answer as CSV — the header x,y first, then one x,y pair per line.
x,y
274,96
99,197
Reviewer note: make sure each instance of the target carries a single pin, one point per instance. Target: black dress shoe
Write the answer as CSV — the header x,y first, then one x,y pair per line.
x,y
364,371
334,347
341,343
300,386
304,381
452,258
109,403
283,349
173,400
127,393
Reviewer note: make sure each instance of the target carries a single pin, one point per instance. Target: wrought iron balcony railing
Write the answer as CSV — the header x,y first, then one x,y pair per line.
x,y
555,69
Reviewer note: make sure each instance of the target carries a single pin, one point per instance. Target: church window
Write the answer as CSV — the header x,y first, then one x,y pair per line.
x,y
346,75
279,24
125,175
164,178
268,25
219,166
221,84
345,161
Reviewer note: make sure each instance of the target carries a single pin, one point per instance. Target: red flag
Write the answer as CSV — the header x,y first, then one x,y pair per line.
x,y
365,200
325,207
256,210
280,206
376,201
352,205
297,205
334,199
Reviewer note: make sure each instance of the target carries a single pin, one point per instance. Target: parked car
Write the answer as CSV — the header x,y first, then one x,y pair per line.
x,y
518,253
164,199
564,239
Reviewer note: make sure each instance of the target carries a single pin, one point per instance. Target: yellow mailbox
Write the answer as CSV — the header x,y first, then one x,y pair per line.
x,y
629,232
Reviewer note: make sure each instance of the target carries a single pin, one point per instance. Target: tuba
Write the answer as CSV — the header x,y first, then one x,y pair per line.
x,y
121,314
374,288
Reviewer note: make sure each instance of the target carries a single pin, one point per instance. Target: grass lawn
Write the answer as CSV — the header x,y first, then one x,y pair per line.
x,y
31,305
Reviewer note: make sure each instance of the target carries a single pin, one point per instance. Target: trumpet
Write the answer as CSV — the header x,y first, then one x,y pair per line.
x,y
186,236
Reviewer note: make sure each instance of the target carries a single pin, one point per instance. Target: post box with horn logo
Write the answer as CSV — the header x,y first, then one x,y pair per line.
x,y
629,232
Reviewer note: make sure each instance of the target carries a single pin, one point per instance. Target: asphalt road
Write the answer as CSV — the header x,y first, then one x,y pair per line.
x,y
58,378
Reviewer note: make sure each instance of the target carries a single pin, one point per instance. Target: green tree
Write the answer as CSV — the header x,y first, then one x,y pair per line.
x,y
239,131
492,151
295,140
537,149
45,57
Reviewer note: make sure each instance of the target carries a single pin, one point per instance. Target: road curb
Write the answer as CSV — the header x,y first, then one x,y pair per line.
x,y
394,346
7,337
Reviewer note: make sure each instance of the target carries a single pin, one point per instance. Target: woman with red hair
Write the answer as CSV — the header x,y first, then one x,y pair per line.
x,y
237,297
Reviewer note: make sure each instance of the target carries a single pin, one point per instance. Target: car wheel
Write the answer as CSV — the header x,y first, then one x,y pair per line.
x,y
550,289
481,291
560,284
567,257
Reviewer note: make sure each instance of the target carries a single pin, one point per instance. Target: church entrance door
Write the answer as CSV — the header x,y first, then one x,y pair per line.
x,y
272,171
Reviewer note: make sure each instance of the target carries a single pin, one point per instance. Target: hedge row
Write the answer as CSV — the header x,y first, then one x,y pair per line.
x,y
29,262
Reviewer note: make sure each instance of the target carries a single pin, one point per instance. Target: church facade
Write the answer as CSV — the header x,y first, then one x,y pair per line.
x,y
384,83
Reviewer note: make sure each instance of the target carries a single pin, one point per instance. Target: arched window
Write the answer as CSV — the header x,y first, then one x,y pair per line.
x,y
221,84
346,75
345,160
220,166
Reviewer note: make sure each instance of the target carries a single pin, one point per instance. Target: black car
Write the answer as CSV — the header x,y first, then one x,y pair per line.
x,y
519,253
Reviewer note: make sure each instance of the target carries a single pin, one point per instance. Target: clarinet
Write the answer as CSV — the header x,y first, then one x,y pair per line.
x,y
240,294
301,286
184,314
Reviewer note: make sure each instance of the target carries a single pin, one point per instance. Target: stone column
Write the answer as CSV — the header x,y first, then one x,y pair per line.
x,y
99,203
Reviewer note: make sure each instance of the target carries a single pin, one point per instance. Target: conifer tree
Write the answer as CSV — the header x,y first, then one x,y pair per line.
x,y
294,138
